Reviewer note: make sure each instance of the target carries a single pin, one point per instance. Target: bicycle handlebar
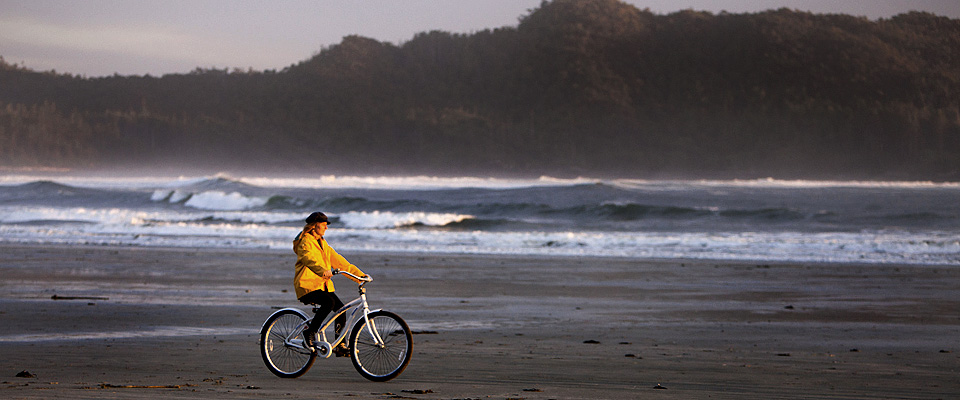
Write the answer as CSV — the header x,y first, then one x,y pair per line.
x,y
364,279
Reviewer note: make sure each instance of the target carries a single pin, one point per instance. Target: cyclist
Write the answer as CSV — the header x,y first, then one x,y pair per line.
x,y
315,262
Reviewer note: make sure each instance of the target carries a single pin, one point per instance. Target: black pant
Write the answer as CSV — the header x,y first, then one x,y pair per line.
x,y
326,302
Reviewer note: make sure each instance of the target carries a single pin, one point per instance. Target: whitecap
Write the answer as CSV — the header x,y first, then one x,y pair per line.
x,y
387,219
160,195
224,201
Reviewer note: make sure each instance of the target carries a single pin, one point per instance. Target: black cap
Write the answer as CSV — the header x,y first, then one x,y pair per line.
x,y
317,217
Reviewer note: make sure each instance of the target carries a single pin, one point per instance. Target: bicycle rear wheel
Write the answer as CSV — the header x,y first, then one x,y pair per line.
x,y
381,362
281,345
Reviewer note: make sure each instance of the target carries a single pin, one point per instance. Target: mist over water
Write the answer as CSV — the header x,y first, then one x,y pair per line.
x,y
754,220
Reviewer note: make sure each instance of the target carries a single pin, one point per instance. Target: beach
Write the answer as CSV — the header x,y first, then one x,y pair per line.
x,y
136,322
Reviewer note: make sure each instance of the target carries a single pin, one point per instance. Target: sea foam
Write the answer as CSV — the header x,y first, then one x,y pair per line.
x,y
387,220
764,220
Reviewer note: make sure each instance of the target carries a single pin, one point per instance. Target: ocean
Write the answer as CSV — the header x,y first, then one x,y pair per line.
x,y
765,220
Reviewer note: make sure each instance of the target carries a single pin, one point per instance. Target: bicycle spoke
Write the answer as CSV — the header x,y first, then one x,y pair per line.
x,y
283,357
381,361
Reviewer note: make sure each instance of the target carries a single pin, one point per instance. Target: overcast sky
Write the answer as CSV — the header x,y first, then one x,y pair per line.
x,y
137,37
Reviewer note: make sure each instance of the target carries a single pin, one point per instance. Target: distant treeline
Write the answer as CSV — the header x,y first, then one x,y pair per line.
x,y
593,87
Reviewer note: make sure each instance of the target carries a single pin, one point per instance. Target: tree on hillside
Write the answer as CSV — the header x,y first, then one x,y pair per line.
x,y
577,87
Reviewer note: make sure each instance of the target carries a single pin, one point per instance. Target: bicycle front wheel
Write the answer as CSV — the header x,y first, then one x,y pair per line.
x,y
381,351
281,345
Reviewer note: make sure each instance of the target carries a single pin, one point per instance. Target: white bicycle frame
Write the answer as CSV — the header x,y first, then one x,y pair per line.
x,y
324,348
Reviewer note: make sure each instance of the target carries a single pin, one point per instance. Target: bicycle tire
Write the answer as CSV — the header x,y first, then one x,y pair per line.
x,y
284,360
381,363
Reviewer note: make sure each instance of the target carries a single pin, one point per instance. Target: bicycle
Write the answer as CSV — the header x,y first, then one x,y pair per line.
x,y
380,343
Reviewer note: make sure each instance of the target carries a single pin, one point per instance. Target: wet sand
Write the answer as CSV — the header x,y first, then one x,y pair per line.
x,y
183,323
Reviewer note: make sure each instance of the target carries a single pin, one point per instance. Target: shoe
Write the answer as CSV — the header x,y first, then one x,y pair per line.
x,y
341,350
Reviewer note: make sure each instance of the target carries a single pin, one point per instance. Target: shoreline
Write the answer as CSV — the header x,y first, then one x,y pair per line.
x,y
518,256
185,321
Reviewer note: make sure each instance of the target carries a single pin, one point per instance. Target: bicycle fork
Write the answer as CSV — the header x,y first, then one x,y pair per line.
x,y
371,328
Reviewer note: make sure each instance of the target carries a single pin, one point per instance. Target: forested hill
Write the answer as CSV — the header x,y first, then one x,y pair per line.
x,y
595,88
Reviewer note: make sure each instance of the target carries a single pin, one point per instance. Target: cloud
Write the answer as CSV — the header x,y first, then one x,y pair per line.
x,y
128,45
101,38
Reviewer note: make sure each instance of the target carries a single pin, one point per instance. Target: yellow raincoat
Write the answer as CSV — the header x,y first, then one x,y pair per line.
x,y
314,256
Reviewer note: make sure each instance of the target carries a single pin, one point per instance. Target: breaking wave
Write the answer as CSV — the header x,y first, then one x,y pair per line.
x,y
387,220
904,222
